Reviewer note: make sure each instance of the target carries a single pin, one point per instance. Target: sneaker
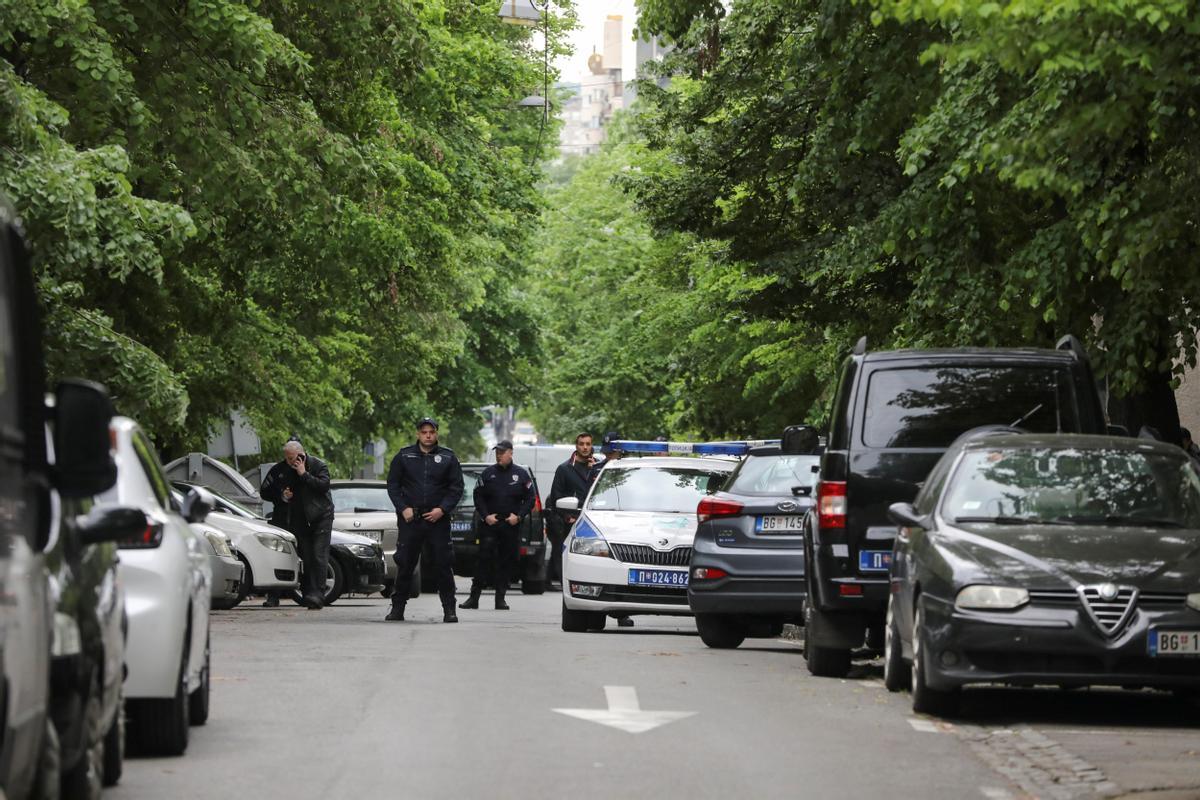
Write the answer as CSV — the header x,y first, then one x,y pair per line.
x,y
501,605
271,602
450,616
395,615
470,602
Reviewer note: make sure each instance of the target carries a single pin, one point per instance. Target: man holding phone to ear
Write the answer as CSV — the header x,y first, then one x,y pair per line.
x,y
572,478
298,487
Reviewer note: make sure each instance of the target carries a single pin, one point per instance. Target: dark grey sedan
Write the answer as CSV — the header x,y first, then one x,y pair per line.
x,y
1047,559
747,565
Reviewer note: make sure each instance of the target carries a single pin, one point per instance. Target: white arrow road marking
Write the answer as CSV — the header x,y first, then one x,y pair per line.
x,y
624,712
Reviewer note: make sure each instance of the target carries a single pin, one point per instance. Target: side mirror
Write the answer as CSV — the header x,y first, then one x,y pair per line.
x,y
83,461
904,515
799,439
111,524
567,504
198,504
1118,430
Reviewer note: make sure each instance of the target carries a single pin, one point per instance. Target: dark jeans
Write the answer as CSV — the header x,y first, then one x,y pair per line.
x,y
410,541
313,541
498,546
556,530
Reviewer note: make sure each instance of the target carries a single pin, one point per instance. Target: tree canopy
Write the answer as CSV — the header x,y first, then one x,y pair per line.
x,y
314,212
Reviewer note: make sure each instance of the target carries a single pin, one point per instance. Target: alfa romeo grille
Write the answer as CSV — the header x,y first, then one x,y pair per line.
x,y
641,554
1109,615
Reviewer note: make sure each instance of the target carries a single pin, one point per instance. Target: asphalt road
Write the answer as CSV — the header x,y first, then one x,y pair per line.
x,y
339,704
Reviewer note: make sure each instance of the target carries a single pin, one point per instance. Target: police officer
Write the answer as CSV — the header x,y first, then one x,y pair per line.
x,y
572,478
425,483
504,497
298,488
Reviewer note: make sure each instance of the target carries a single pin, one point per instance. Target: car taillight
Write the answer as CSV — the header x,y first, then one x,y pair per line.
x,y
537,504
150,537
709,573
711,507
831,504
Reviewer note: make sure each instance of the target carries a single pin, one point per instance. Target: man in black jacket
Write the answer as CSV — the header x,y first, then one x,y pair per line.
x,y
572,478
425,483
504,496
298,487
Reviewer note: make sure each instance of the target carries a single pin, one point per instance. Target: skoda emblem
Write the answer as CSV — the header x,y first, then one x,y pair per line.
x,y
437,459
1108,591
663,542
786,505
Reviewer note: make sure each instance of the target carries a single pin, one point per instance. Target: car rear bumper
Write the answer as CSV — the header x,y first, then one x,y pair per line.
x,y
761,581
1051,646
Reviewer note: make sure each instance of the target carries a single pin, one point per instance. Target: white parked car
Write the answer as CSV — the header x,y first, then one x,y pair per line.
x,y
628,551
268,555
226,569
167,578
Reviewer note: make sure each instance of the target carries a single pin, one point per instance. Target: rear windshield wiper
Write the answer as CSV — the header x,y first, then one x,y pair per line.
x,y
1003,520
1123,519
358,510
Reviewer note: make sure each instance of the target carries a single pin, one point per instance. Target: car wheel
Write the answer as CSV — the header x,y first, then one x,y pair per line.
x,y
897,675
247,584
575,621
824,662
938,702
720,632
114,744
83,779
335,581
597,621
529,586
47,780
160,726
198,699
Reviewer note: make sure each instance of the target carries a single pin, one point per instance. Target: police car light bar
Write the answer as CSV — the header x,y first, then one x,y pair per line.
x,y
691,448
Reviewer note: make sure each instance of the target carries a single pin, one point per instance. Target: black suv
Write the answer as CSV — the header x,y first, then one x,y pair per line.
x,y
894,414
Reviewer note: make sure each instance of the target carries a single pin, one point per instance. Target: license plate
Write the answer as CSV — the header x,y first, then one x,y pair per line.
x,y
458,526
779,523
658,577
374,536
874,560
1174,643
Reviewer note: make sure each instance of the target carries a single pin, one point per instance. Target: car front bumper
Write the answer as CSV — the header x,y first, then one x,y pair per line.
x,y
1059,646
761,581
226,577
271,569
365,574
616,595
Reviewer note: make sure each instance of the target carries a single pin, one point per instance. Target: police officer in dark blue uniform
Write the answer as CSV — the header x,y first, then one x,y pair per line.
x,y
504,497
425,483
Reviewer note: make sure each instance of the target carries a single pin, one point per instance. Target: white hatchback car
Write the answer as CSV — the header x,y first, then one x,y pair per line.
x,y
167,581
629,549
268,554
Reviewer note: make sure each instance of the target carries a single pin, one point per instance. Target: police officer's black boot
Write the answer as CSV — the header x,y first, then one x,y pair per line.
x,y
472,601
500,604
395,615
449,615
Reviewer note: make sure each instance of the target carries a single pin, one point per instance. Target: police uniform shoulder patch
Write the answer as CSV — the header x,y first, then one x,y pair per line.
x,y
437,459
516,478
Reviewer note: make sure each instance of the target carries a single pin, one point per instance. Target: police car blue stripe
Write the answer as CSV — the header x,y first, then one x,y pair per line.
x,y
693,448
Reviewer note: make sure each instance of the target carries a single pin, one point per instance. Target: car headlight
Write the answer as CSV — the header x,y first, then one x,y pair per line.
x,y
587,541
272,542
991,598
1193,600
219,543
362,550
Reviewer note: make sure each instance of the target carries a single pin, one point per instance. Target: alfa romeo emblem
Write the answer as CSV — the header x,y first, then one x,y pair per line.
x,y
1108,591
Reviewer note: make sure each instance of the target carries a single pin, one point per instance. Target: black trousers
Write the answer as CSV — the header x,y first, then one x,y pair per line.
x,y
498,546
410,541
313,541
556,530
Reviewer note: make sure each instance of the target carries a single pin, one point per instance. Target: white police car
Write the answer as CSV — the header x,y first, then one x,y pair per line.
x,y
628,551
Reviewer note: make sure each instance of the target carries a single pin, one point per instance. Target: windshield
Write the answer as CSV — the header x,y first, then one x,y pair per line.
x,y
1074,487
775,475
932,407
666,489
358,499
